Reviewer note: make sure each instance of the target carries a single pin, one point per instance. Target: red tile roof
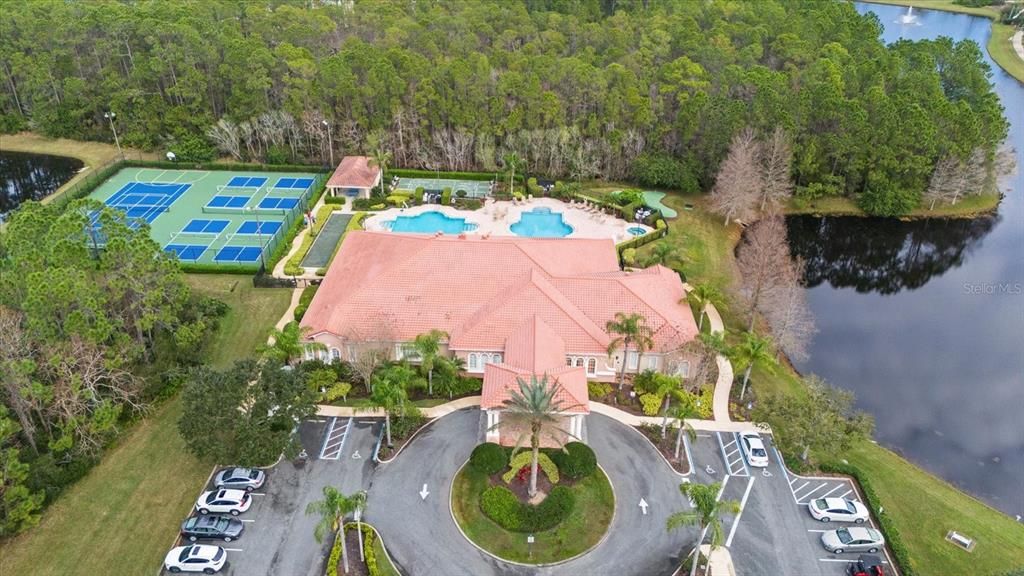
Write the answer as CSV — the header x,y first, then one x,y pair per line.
x,y
480,289
354,172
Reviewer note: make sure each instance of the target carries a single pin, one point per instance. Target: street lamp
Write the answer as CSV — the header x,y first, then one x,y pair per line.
x,y
330,140
110,116
259,234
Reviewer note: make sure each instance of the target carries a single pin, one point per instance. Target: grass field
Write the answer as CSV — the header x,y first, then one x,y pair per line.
x,y
586,524
122,517
969,207
923,506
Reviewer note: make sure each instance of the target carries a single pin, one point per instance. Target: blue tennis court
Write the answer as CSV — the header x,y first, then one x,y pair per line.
x,y
199,226
262,227
228,202
238,254
191,252
246,182
146,200
293,183
278,203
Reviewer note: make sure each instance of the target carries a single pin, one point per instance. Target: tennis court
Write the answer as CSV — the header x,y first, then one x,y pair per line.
x,y
473,188
211,217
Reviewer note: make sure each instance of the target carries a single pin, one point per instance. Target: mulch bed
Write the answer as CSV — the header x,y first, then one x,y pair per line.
x,y
387,452
667,446
355,567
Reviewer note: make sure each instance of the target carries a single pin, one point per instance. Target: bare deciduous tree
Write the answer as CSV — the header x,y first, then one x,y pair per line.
x,y
16,362
764,262
739,182
226,137
790,318
372,347
776,163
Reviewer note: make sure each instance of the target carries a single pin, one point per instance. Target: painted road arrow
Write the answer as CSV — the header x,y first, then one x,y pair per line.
x,y
643,506
424,493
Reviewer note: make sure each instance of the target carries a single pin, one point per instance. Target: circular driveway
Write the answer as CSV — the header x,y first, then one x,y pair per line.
x,y
423,540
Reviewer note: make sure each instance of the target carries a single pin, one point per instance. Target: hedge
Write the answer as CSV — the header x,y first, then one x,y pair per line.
x,y
335,200
369,554
446,196
307,296
488,458
642,240
197,268
525,458
885,524
577,460
477,176
501,505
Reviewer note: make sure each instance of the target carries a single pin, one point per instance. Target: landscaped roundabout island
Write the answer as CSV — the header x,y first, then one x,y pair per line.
x,y
569,514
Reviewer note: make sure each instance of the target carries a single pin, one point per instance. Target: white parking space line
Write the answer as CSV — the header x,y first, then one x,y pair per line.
x,y
818,531
743,504
250,521
838,487
807,495
334,443
802,486
235,549
257,493
843,495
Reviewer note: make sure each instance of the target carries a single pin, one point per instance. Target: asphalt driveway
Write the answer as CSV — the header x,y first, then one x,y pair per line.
x,y
422,537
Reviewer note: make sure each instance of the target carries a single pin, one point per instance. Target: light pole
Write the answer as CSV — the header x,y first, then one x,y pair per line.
x,y
259,234
330,140
110,116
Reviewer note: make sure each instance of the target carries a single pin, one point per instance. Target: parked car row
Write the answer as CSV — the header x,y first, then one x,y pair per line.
x,y
216,521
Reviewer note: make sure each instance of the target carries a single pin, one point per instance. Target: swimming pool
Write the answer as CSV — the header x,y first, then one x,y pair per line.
x,y
429,223
541,223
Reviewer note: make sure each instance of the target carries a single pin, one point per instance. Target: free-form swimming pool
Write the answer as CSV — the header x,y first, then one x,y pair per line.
x,y
429,223
541,223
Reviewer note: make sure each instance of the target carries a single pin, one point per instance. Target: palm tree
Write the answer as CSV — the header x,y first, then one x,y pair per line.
x,y
287,344
662,253
752,350
427,346
704,295
389,394
715,341
632,330
448,371
668,387
706,508
381,157
511,161
332,510
534,410
683,410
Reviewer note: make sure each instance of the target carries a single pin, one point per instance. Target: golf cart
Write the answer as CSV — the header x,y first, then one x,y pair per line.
x,y
866,565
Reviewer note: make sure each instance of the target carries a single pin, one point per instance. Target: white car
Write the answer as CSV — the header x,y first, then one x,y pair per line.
x,y
232,502
838,509
754,450
853,539
196,558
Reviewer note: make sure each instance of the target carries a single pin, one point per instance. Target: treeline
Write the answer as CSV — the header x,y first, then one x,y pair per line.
x,y
578,88
95,322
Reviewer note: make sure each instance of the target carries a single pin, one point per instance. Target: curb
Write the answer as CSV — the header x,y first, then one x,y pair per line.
x,y
686,443
607,532
379,537
414,435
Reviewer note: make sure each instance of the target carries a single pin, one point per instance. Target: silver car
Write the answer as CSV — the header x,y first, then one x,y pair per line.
x,y
247,479
853,539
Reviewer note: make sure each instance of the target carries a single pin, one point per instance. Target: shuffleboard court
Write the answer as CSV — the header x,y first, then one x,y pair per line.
x,y
320,252
473,188
210,217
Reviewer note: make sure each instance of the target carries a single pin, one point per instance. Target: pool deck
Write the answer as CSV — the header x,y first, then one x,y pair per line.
x,y
496,217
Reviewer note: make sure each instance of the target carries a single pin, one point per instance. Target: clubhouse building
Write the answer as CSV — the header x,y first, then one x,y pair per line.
x,y
512,308
354,177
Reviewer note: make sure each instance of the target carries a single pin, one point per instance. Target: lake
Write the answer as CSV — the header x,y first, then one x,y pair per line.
x,y
26,177
924,320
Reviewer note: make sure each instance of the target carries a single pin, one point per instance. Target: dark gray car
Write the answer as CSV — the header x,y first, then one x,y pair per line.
x,y
211,527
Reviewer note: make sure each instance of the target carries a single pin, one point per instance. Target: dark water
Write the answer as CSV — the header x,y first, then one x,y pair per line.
x,y
925,320
31,177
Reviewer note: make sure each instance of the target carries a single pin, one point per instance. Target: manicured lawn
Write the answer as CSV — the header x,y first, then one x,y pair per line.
x,y
123,514
122,517
840,206
383,561
944,5
585,526
925,508
254,311
1000,48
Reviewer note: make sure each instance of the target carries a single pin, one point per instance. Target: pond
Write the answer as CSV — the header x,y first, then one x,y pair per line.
x,y
26,177
924,320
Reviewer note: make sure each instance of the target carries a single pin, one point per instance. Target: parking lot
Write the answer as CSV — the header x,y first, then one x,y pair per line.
x,y
774,532
278,535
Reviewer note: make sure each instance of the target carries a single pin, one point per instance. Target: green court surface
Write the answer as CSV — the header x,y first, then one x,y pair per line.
x,y
653,199
215,217
473,188
320,252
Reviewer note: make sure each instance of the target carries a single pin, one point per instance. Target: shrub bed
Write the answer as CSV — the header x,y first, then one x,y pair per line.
x,y
577,461
525,459
307,296
488,458
504,508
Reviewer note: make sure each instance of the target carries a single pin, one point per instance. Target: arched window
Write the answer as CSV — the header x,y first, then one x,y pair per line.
x,y
591,365
335,355
683,369
497,358
568,360
579,361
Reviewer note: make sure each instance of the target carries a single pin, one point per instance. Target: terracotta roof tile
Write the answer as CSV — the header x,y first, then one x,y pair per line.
x,y
354,172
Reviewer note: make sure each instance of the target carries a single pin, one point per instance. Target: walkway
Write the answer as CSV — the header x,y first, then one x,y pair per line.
x,y
1018,43
723,386
422,537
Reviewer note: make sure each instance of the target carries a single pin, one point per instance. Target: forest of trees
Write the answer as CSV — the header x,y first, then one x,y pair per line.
x,y
653,91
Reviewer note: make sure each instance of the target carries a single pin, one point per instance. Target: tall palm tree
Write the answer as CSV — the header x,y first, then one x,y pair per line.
x,y
448,371
682,411
332,510
287,344
511,161
669,388
381,157
704,294
632,330
389,394
662,253
427,346
535,408
715,341
752,350
706,508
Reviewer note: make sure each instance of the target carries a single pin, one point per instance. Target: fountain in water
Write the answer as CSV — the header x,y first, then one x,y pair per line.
x,y
909,17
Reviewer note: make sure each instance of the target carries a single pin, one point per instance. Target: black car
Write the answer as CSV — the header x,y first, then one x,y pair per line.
x,y
211,527
247,479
